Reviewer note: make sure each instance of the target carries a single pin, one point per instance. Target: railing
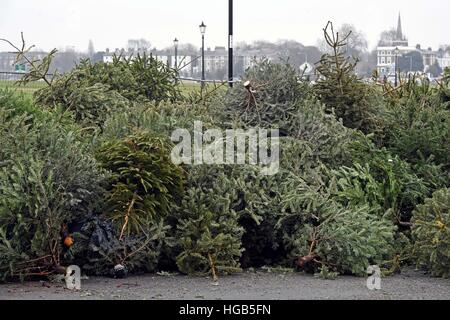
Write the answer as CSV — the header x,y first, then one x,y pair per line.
x,y
206,81
10,79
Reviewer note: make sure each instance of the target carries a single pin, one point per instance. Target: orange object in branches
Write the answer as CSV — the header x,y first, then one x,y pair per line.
x,y
68,241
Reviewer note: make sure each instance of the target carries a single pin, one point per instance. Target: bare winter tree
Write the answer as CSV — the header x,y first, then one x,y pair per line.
x,y
356,43
387,37
65,60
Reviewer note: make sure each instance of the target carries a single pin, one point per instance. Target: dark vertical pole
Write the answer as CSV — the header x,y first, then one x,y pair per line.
x,y
230,43
396,68
203,60
176,57
176,61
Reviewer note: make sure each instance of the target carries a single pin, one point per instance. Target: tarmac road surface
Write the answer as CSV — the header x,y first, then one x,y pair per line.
x,y
410,284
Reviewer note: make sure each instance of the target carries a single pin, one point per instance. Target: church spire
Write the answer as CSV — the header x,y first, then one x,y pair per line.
x,y
399,28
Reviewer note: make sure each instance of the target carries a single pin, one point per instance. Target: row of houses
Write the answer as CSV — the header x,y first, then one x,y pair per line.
x,y
190,64
216,61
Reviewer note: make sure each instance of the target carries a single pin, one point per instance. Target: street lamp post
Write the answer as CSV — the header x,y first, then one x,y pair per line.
x,y
175,43
202,31
230,43
396,52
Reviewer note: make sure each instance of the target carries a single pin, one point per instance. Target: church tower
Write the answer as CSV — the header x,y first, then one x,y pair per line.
x,y
399,28
400,39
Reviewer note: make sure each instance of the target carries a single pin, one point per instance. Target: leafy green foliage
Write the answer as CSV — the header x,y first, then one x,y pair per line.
x,y
88,104
92,91
48,180
258,205
17,104
444,87
326,274
431,234
163,118
320,135
342,200
268,101
208,230
380,179
143,188
144,183
320,231
418,128
139,76
353,239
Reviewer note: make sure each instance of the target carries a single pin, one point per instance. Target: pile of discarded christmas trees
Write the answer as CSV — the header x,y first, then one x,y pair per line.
x,y
87,179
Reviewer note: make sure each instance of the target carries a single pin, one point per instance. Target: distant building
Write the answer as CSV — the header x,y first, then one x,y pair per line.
x,y
443,57
108,56
248,61
387,58
184,63
216,63
8,61
98,56
430,57
190,65
400,39
216,60
388,53
399,46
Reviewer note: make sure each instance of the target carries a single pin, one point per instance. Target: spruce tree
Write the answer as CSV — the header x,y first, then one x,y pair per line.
x,y
319,231
48,181
431,234
208,230
339,88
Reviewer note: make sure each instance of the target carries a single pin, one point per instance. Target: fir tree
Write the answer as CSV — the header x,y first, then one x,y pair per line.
x,y
431,234
208,230
338,87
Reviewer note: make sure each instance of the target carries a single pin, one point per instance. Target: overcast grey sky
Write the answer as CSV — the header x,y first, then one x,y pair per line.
x,y
109,23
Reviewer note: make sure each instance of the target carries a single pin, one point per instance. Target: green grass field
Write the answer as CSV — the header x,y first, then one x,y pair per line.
x,y
189,87
30,88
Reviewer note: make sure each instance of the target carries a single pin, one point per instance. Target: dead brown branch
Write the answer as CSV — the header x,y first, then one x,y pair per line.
x,y
127,215
213,268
